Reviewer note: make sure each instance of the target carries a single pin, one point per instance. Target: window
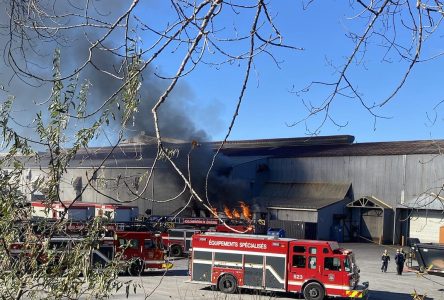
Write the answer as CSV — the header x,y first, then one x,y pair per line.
x,y
298,261
313,250
130,244
325,250
332,263
149,244
298,249
347,264
133,244
312,262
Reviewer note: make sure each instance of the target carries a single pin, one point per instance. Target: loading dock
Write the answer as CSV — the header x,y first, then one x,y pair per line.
x,y
373,219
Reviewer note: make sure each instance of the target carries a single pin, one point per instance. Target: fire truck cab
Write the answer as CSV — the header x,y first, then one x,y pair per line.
x,y
143,249
314,268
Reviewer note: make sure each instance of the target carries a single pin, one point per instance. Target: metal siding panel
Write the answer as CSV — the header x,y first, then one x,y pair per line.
x,y
380,176
293,229
294,215
424,173
201,272
278,265
253,275
275,265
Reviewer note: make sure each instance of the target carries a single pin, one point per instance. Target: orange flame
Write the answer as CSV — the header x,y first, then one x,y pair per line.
x,y
214,212
245,210
236,214
228,212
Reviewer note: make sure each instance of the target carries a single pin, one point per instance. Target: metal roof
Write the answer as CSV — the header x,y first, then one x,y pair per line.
x,y
425,201
312,195
316,149
142,154
285,142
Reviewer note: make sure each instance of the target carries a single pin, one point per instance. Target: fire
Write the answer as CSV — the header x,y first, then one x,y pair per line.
x,y
214,212
245,210
236,214
228,212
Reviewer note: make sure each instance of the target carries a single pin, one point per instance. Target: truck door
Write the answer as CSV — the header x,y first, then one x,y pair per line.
x,y
333,274
304,264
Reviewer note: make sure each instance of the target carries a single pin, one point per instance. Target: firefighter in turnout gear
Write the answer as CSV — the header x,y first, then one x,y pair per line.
x,y
399,259
385,260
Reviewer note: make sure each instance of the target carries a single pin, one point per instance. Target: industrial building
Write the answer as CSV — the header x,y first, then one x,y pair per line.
x,y
318,187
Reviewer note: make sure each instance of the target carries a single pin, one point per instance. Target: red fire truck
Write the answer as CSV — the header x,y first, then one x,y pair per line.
x,y
177,231
178,241
313,268
143,250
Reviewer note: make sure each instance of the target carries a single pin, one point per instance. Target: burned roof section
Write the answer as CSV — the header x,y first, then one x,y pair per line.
x,y
330,146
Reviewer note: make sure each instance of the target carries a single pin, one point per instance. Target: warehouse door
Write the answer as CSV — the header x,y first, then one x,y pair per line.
x,y
425,225
372,224
371,218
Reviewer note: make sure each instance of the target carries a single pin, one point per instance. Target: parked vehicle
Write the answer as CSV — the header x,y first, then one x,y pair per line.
x,y
143,251
178,241
314,268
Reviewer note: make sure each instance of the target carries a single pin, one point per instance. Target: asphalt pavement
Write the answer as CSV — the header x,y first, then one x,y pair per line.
x,y
383,286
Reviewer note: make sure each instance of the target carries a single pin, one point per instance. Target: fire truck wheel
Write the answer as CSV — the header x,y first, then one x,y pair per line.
x,y
136,268
314,291
176,251
227,284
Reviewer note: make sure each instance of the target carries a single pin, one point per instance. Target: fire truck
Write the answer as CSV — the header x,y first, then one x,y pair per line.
x,y
142,250
178,241
178,231
316,269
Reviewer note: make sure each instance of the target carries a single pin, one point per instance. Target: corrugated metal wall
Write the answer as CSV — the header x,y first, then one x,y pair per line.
x,y
325,219
393,179
115,182
293,215
296,229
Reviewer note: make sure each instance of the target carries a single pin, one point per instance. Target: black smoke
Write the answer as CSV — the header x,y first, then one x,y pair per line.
x,y
106,75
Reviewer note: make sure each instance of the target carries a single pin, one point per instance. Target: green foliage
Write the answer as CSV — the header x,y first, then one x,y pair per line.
x,y
40,270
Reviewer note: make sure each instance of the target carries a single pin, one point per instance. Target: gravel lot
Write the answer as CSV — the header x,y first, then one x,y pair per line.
x,y
383,286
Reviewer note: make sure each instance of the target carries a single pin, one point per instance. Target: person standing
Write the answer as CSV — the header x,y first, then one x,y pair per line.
x,y
385,260
399,259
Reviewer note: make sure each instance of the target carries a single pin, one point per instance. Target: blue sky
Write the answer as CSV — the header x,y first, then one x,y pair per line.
x,y
208,95
269,105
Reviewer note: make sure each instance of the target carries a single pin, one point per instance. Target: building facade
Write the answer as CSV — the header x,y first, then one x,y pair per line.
x,y
389,191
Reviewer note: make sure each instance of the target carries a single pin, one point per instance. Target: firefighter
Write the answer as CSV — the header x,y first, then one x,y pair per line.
x,y
399,259
385,260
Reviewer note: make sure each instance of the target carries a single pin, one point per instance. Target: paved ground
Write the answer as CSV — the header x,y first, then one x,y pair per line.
x,y
383,286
